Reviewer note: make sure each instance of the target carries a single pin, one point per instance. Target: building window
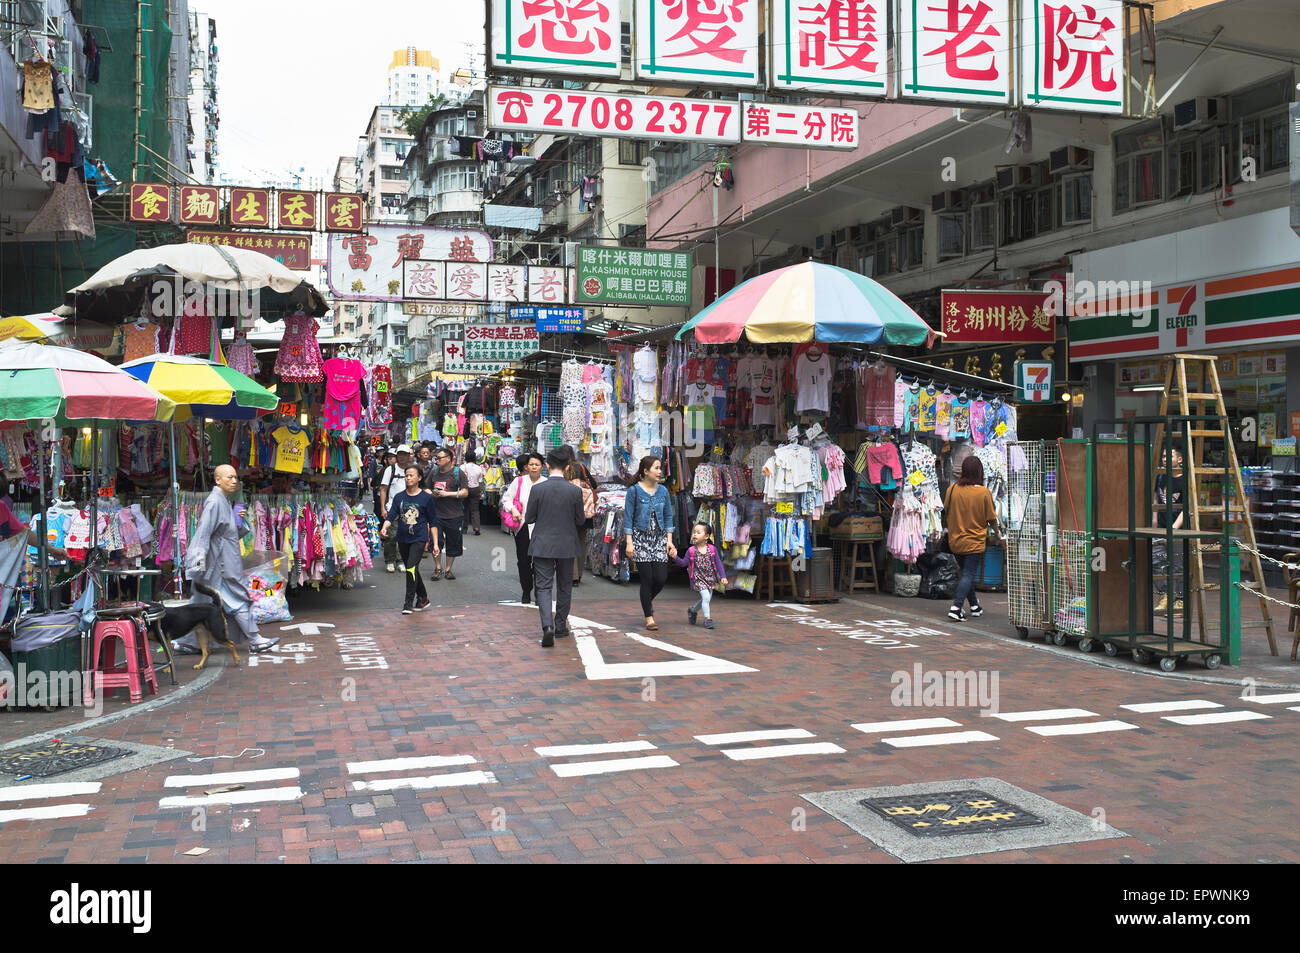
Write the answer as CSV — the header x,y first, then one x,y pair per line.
x,y
458,178
632,151
983,226
399,337
1076,199
952,236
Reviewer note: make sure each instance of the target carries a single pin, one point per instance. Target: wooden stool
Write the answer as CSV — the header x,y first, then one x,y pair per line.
x,y
768,578
852,579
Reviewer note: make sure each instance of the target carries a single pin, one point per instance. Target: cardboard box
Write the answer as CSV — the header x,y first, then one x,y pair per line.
x,y
862,528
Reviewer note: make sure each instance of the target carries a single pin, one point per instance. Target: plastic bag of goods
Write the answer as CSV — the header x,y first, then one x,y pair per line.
x,y
266,576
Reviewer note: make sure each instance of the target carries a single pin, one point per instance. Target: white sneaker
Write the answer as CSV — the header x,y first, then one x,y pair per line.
x,y
391,568
955,615
976,612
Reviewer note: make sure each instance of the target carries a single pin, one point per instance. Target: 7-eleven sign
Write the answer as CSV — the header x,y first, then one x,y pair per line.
x,y
1034,380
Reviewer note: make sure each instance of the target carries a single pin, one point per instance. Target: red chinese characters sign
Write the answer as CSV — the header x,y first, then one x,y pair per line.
x,y
200,205
714,42
1072,55
576,37
780,124
344,212
292,251
296,210
585,113
151,202
250,207
997,317
956,50
828,45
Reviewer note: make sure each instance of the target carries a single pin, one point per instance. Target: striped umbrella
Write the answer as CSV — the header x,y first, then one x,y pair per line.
x,y
40,382
809,302
203,388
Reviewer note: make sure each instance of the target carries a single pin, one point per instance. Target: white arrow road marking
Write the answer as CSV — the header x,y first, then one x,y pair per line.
x,y
308,628
691,663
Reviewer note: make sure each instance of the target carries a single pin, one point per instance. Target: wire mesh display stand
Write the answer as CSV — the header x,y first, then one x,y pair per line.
x,y
1031,516
1142,638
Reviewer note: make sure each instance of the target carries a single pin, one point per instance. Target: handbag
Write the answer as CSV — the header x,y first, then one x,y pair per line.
x,y
511,518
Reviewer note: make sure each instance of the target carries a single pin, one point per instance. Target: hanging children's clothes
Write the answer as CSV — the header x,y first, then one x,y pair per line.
x,y
193,333
381,396
140,339
943,415
343,378
813,376
291,444
241,356
960,418
926,413
299,357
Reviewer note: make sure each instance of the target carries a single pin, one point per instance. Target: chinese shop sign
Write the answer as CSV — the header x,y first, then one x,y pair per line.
x,y
424,279
507,282
633,276
296,210
250,207
1034,381
501,343
997,317
587,113
955,50
200,205
709,42
292,251
780,124
1072,54
453,360
476,281
574,37
151,202
369,267
344,212
550,320
828,47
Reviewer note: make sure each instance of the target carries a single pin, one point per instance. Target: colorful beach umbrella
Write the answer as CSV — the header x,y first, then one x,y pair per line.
x,y
809,302
202,388
31,327
39,382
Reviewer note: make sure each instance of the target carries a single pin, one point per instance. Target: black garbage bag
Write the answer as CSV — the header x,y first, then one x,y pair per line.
x,y
939,575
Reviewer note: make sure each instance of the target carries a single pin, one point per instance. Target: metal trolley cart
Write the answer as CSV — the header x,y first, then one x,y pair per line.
x,y
1031,517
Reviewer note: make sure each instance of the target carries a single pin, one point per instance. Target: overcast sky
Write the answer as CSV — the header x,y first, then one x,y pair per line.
x,y
297,80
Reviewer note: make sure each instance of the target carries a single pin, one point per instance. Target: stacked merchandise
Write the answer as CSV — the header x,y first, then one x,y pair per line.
x,y
605,554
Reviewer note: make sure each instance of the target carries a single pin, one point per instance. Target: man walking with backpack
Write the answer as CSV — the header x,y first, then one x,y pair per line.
x,y
450,489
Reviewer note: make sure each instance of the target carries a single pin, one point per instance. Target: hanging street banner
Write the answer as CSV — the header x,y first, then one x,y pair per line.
x,y
369,267
250,207
955,51
200,205
292,251
429,280
997,317
633,276
578,112
690,43
499,342
1035,383
578,37
344,212
507,282
778,124
828,48
151,202
296,210
1072,55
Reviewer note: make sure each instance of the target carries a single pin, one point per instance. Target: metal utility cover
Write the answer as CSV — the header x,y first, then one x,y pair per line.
x,y
57,757
1036,821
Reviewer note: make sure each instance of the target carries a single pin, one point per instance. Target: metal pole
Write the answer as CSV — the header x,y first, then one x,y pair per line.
x,y
178,572
42,534
94,487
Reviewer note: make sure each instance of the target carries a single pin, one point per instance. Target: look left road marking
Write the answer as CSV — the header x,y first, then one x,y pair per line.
x,y
255,796
31,792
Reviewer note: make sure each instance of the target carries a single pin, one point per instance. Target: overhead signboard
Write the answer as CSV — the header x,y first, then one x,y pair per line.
x,y
454,362
698,42
578,37
424,280
1034,381
955,52
550,320
441,309
499,342
1072,55
780,124
507,282
997,317
200,205
828,47
369,267
633,276
579,112
292,251
151,202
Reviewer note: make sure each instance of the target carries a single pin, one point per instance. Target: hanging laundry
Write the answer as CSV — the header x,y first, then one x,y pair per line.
x,y
241,357
38,86
299,358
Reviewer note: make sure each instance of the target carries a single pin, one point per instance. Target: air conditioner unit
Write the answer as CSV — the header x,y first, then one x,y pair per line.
x,y
471,113
822,242
906,215
950,201
570,257
1201,111
1068,159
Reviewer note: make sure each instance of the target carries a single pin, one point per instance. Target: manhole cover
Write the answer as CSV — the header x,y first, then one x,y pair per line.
x,y
916,822
950,813
57,757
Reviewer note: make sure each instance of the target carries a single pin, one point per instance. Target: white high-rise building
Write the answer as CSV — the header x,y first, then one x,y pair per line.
x,y
412,78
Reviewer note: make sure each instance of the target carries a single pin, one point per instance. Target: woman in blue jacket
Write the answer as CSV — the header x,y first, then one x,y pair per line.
x,y
648,525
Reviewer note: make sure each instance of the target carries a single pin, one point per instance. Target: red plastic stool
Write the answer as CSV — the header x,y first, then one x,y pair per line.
x,y
138,662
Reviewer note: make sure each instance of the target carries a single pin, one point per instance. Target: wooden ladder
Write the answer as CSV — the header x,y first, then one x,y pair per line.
x,y
1210,395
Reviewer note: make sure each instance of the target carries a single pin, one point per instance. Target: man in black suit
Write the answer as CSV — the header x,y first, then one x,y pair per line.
x,y
555,517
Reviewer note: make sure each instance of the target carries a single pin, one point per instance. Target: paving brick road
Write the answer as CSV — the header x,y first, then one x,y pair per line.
x,y
451,736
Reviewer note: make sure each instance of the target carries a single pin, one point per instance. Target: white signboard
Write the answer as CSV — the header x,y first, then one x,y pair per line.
x,y
780,124
499,342
1072,55
586,113
698,42
453,360
425,280
507,282
828,47
575,37
546,285
466,281
955,50
368,267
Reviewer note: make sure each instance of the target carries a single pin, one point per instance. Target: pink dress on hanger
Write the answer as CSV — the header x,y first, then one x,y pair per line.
x,y
343,377
240,356
299,359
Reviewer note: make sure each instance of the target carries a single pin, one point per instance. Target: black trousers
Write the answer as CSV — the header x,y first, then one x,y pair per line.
x,y
412,553
557,575
524,560
471,507
653,577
